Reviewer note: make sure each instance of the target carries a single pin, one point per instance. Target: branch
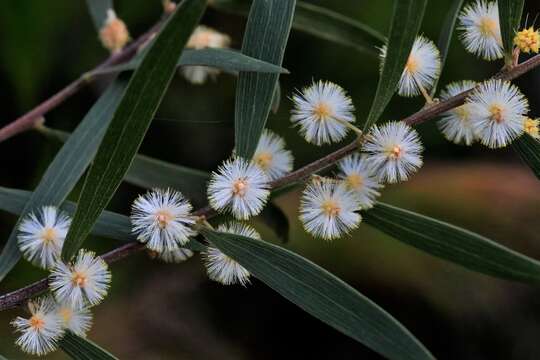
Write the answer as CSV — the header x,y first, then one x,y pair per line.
x,y
28,120
20,296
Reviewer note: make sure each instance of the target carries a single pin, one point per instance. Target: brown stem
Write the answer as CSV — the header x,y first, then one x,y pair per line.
x,y
28,120
18,297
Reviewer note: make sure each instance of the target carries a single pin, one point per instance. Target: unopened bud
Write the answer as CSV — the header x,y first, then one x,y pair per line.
x,y
114,34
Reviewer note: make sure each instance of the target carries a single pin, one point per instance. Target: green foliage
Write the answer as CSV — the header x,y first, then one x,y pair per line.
x,y
265,38
67,167
509,17
406,21
98,11
322,295
79,348
454,244
275,219
131,121
224,59
528,149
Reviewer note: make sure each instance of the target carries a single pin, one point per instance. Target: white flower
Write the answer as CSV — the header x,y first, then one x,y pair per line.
x,y
78,321
359,178
480,29
423,67
239,187
204,37
271,156
456,124
42,331
394,151
162,220
82,283
222,268
41,236
177,255
498,108
323,112
328,209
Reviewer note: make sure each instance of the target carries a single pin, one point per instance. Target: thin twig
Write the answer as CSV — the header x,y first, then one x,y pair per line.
x,y
20,296
28,120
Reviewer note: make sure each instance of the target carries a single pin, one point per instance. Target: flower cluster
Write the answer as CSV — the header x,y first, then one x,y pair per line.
x,y
74,287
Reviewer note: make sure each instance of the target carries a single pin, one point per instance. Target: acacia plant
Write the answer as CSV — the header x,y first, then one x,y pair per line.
x,y
339,190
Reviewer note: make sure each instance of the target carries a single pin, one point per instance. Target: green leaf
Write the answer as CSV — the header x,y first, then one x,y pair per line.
x,y
224,59
322,23
273,217
406,21
131,121
67,167
151,173
452,243
79,348
528,149
98,11
265,38
445,37
322,295
509,17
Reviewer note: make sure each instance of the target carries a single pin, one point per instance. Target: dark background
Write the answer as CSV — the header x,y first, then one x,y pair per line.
x,y
158,311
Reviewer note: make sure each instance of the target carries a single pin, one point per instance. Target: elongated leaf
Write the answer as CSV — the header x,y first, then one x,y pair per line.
x,y
131,121
79,348
454,244
528,149
265,38
276,101
445,37
322,23
150,173
276,220
109,224
406,21
224,59
509,17
98,11
322,295
67,167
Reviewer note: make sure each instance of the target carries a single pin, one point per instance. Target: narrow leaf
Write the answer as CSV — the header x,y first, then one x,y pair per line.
x,y
67,167
276,101
322,23
454,244
406,21
273,217
445,37
131,121
98,11
510,12
322,295
265,38
528,149
79,348
224,59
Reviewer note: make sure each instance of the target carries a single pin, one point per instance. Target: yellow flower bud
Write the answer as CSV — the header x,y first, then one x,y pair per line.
x,y
528,40
114,34
531,127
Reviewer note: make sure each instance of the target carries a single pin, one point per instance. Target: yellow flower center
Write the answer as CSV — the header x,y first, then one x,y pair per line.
x,y
322,111
48,235
331,208
528,40
163,217
488,27
36,322
66,314
264,160
79,279
496,113
239,187
355,181
462,112
412,64
394,152
531,127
